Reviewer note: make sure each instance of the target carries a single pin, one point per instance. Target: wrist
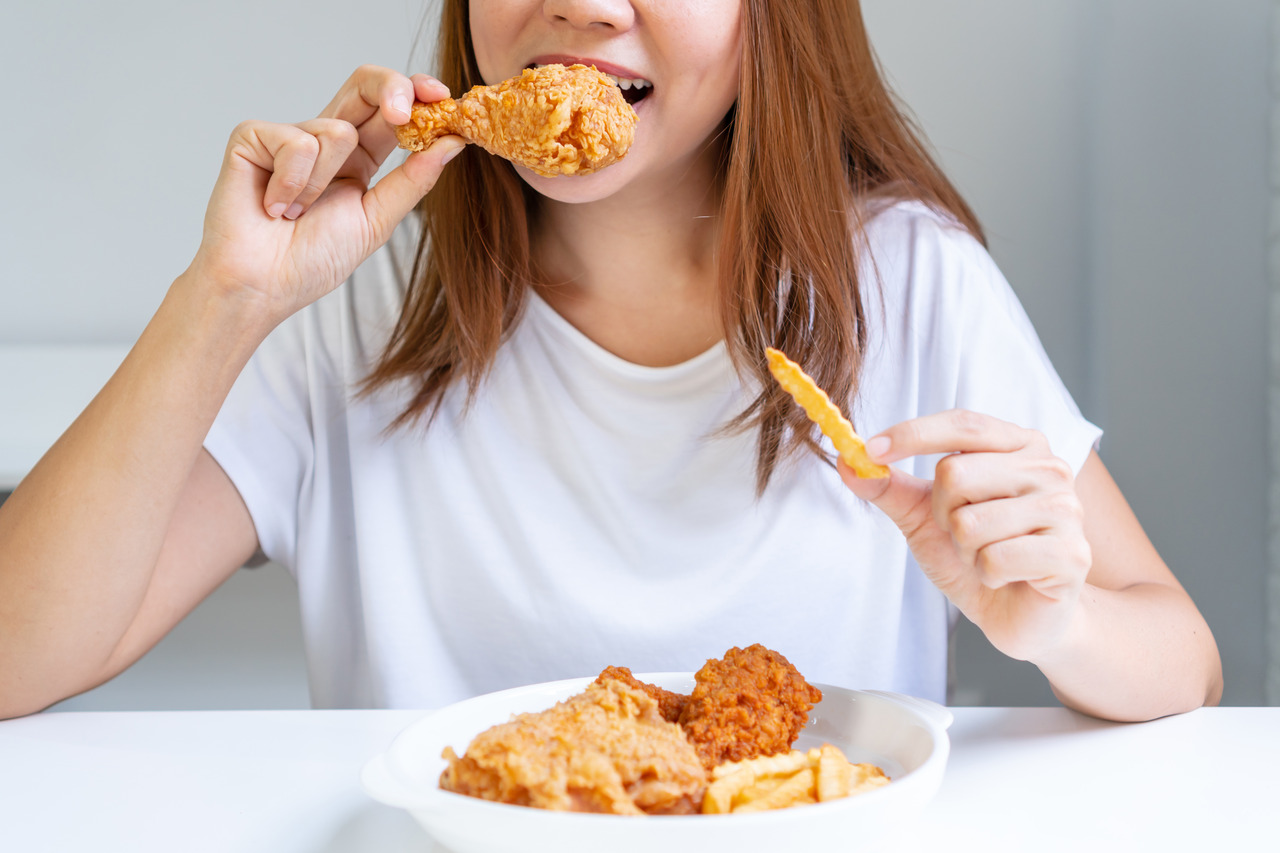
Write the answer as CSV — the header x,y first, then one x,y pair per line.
x,y
204,300
1071,641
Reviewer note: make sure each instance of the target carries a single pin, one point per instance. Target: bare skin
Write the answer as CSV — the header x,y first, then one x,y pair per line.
x,y
127,523
1054,568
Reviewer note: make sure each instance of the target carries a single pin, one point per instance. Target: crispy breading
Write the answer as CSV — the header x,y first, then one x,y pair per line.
x,y
751,702
553,119
606,749
670,704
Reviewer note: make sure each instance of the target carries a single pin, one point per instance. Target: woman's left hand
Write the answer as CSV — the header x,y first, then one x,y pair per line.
x,y
999,530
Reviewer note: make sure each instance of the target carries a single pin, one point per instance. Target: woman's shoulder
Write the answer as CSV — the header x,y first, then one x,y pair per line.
x,y
917,251
925,280
911,226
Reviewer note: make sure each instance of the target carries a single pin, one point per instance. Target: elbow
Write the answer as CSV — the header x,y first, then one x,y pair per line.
x,y
1213,695
23,692
10,711
18,700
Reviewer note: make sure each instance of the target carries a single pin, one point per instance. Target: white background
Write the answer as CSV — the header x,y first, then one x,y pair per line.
x,y
1116,150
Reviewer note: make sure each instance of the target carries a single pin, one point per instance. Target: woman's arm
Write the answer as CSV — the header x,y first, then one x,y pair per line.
x,y
122,527
1054,568
127,523
1139,647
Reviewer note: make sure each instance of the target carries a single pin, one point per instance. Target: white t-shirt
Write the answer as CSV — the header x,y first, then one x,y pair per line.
x,y
584,512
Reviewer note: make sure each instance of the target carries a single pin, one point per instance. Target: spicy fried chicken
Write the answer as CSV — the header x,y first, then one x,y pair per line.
x,y
670,704
749,703
553,119
606,749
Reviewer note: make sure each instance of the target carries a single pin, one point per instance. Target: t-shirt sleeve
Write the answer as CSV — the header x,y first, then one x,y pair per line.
x,y
964,338
262,437
282,433
1005,371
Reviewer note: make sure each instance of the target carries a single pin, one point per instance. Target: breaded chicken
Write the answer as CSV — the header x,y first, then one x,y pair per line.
x,y
553,119
669,704
751,702
606,749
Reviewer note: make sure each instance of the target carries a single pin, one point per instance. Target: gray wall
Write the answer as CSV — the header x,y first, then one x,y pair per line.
x,y
1116,150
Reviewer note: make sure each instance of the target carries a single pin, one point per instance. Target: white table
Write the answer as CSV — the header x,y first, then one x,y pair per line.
x,y
1023,779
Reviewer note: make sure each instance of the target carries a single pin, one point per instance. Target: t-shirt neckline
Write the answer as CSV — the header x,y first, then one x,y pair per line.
x,y
713,359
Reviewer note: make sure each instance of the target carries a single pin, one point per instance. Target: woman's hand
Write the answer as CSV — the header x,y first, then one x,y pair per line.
x,y
292,213
999,530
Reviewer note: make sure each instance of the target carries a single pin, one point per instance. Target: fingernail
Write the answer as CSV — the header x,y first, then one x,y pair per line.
x,y
275,210
294,211
878,447
401,104
449,155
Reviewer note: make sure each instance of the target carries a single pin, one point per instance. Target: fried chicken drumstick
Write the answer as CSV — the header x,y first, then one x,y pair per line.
x,y
553,119
751,702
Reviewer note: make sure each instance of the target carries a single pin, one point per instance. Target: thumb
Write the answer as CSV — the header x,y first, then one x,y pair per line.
x,y
905,498
391,199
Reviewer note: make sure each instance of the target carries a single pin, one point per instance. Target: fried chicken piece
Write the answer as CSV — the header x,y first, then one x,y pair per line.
x,y
669,704
751,702
603,750
555,120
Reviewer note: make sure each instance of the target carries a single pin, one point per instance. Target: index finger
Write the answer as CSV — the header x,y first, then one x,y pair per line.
x,y
955,431
372,90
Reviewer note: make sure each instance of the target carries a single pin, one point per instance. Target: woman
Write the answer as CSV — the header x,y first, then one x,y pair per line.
x,y
546,442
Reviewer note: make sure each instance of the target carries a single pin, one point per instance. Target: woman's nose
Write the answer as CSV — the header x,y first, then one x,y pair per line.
x,y
585,14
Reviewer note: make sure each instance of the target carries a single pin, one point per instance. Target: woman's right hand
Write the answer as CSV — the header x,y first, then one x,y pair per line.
x,y
292,213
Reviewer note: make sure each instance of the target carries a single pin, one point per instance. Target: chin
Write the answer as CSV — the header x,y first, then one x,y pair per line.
x,y
580,189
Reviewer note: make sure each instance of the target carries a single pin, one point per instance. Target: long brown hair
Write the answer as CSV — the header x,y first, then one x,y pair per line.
x,y
815,133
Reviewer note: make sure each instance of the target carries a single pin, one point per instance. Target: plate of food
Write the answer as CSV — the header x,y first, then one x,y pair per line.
x,y
743,754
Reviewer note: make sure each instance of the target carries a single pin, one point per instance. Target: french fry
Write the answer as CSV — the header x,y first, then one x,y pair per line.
x,y
765,765
797,789
826,414
719,796
788,779
867,777
835,774
760,788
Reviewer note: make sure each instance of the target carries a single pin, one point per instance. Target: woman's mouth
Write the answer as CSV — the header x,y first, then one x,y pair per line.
x,y
634,89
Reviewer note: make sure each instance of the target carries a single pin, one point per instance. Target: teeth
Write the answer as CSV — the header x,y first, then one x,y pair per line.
x,y
629,82
623,82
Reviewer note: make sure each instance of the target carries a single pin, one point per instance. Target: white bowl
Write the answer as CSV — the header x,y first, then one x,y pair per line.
x,y
903,734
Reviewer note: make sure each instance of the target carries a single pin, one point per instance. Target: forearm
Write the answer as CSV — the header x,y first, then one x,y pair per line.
x,y
80,536
1135,654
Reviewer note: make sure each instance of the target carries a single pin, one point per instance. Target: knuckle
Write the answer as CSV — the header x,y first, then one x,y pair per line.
x,y
907,434
1059,470
965,524
1083,555
987,563
304,144
1064,505
344,132
1035,440
292,183
967,421
954,473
